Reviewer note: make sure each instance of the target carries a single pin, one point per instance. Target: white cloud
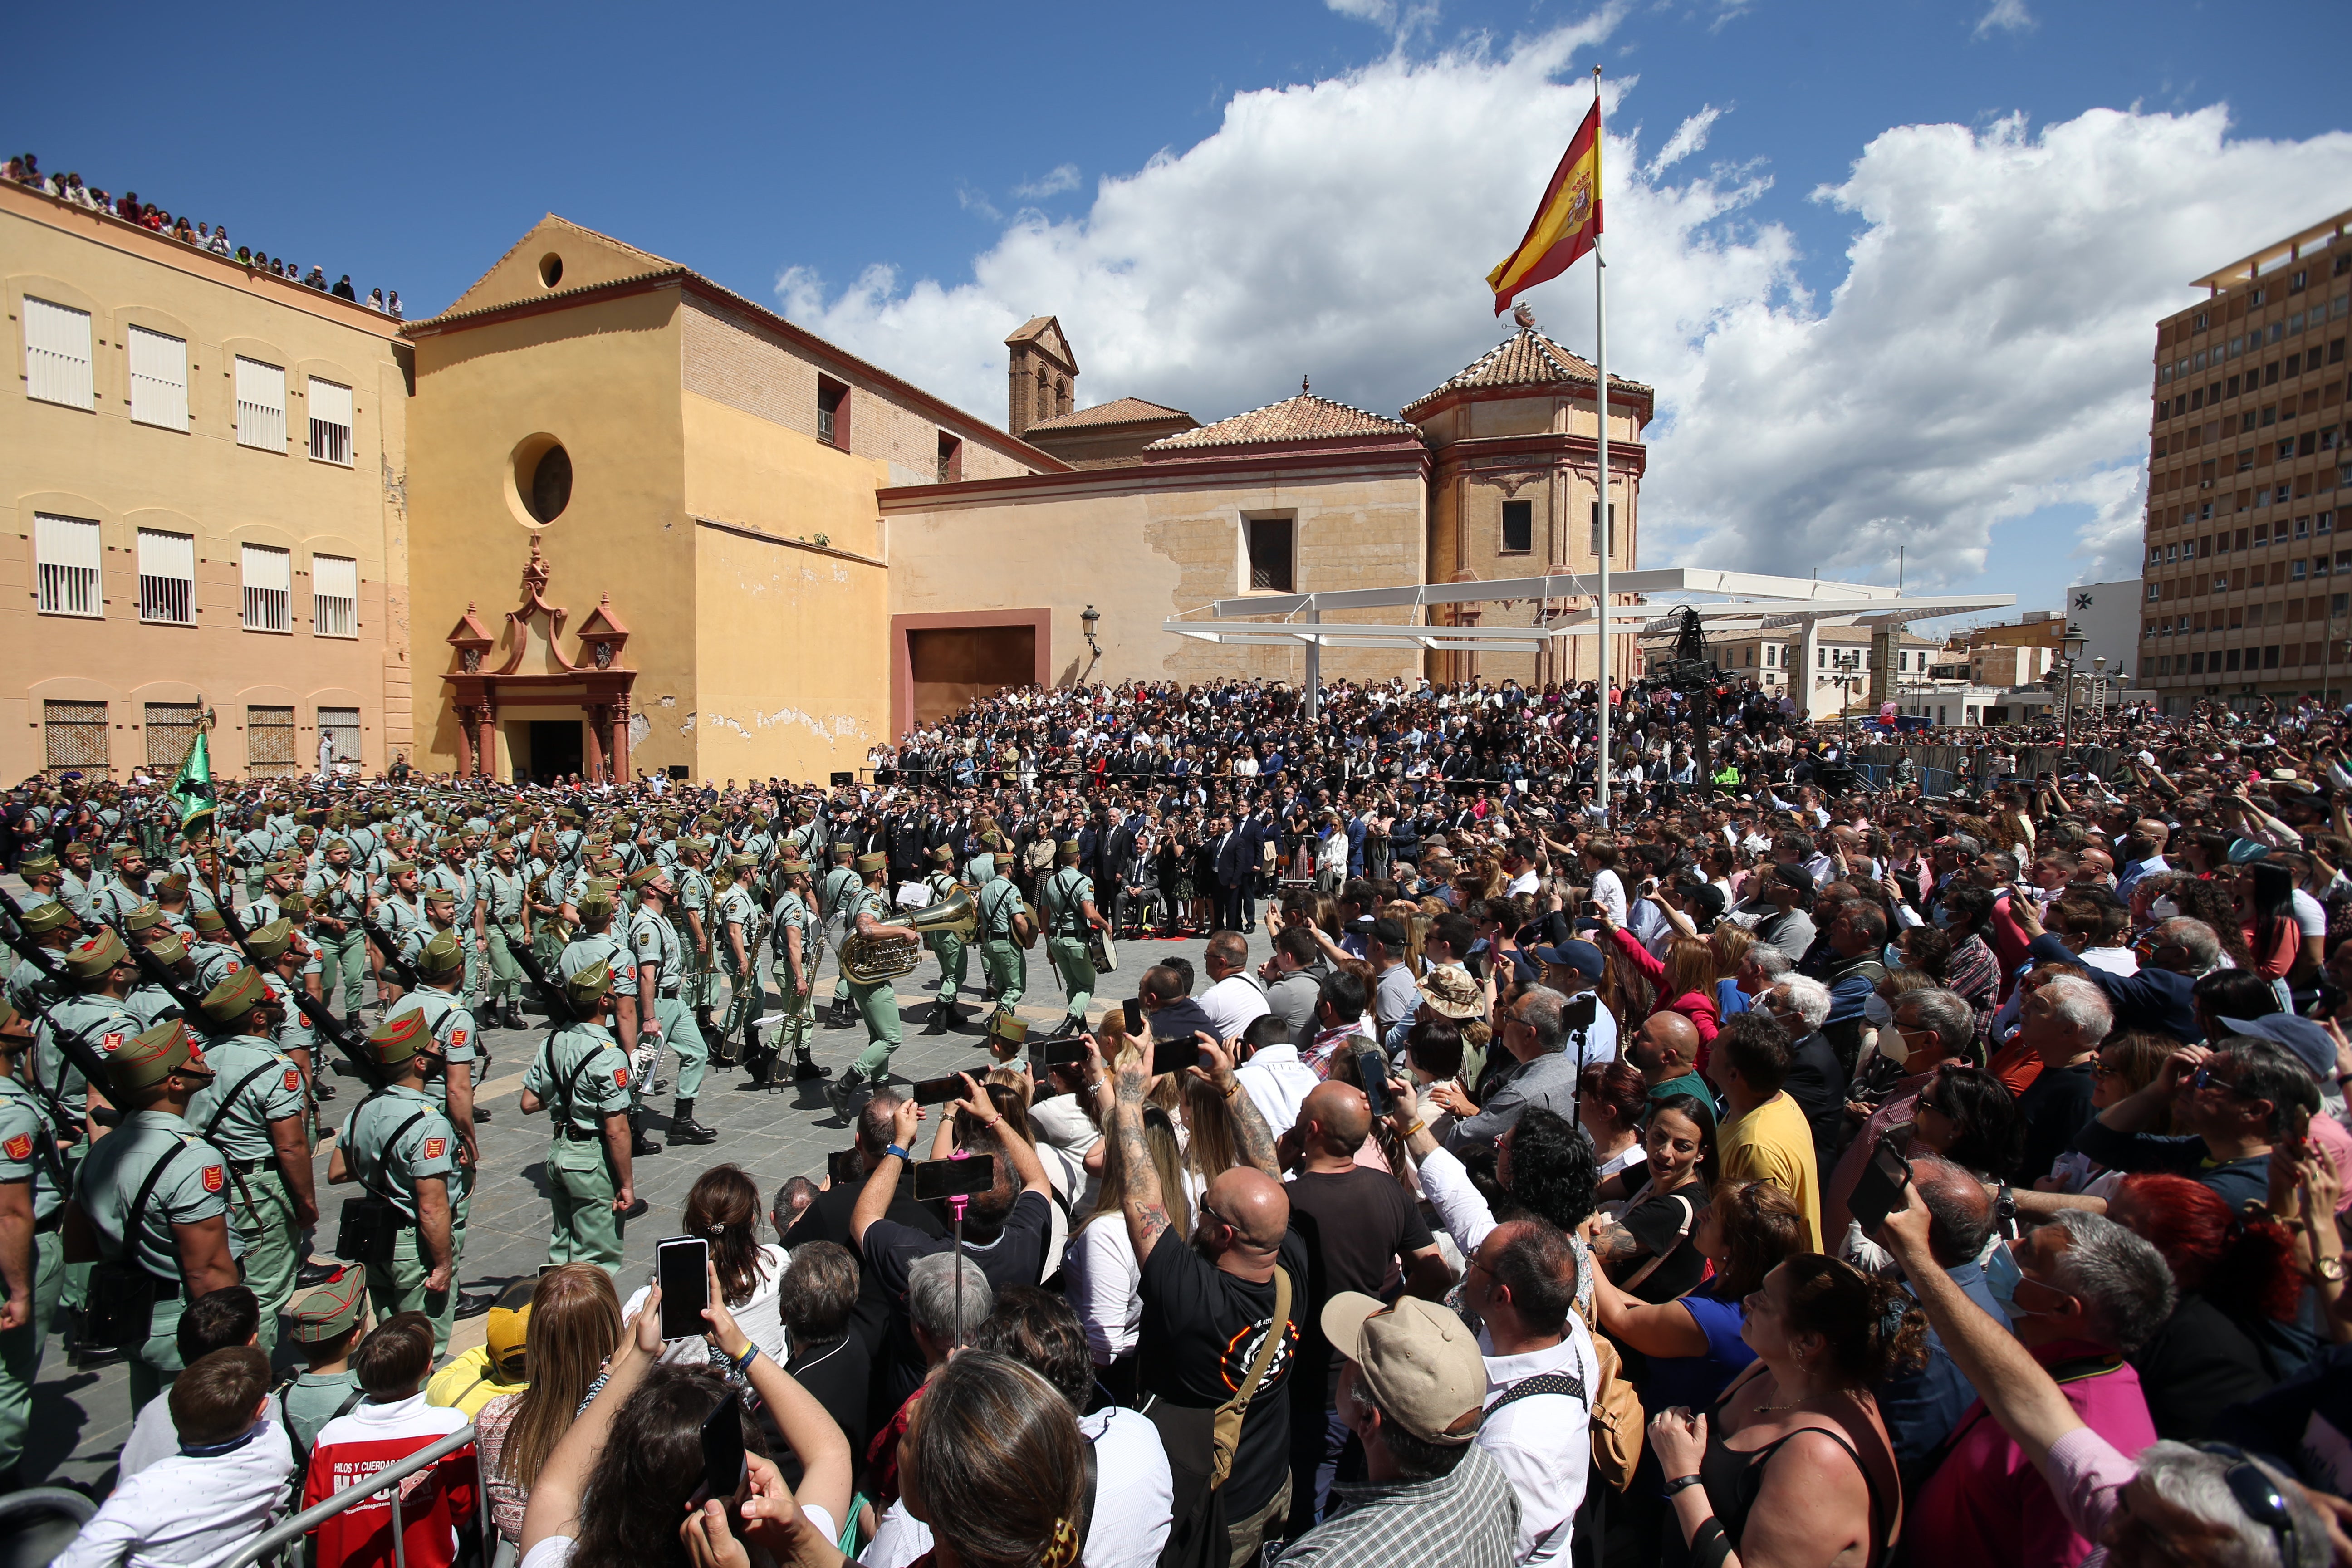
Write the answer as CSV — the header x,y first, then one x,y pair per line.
x,y
2007,16
1063,177
1399,18
1985,354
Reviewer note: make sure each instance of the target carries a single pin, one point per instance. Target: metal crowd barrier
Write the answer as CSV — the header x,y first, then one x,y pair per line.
x,y
267,1547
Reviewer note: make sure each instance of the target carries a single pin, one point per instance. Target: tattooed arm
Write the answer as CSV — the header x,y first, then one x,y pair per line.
x,y
1615,1246
1250,1131
1146,1213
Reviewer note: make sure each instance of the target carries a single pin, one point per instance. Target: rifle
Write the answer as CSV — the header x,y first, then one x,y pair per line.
x,y
153,968
314,1013
559,1005
401,970
70,1042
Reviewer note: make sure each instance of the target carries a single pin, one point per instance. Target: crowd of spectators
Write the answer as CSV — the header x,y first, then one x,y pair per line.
x,y
25,170
1755,1169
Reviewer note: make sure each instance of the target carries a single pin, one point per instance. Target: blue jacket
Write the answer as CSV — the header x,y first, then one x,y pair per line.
x,y
2157,999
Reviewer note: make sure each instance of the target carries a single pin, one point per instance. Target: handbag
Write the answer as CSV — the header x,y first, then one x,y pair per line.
x,y
1617,1423
369,1223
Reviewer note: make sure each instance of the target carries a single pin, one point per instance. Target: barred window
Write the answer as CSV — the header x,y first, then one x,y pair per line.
x,y
268,742
341,726
334,597
66,550
260,404
268,582
167,578
171,734
159,379
330,421
57,354
74,735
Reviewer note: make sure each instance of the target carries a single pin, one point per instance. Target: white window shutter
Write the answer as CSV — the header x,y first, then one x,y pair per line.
x,y
68,553
57,354
260,404
159,379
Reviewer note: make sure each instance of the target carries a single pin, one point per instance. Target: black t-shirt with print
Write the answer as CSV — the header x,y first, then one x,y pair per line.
x,y
1204,1326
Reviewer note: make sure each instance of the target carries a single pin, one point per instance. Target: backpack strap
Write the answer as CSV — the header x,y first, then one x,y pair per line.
x,y
139,1204
229,1099
397,1134
1543,1383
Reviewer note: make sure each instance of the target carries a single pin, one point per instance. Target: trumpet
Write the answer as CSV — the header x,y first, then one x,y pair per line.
x,y
869,961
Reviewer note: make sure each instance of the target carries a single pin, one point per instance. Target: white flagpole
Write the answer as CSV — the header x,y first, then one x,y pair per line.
x,y
1600,368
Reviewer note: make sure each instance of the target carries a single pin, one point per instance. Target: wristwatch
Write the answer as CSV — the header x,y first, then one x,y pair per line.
x,y
2330,1268
895,1149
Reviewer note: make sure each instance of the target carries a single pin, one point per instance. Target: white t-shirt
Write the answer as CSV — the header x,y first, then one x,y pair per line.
x,y
188,1512
759,1317
1232,1002
2309,914
1609,892
555,1551
1135,1496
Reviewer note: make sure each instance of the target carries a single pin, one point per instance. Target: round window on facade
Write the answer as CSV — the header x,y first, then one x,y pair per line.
x,y
551,271
540,483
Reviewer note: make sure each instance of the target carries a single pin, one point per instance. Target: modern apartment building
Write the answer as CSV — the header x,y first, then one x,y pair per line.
x,y
2247,480
201,505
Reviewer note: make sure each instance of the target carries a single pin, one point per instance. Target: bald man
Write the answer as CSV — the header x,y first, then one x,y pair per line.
x,y
2142,854
1208,1308
1358,1226
1665,1052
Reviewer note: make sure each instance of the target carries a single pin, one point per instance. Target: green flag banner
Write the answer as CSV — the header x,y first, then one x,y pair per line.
x,y
192,786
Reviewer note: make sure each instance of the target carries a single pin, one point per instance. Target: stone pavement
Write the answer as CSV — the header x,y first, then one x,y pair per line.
x,y
81,1417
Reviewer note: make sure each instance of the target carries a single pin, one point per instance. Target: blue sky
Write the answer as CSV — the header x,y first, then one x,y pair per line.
x,y
788,151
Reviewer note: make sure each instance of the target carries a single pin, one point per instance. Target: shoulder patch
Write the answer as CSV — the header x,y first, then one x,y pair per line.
x,y
112,1041
293,1080
20,1147
214,1178
458,1037
436,1147
620,1077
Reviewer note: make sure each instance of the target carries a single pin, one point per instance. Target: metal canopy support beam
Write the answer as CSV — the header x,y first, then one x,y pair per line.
x,y
1557,585
1314,669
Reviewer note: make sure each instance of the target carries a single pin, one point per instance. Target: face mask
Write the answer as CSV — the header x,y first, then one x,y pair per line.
x,y
1892,956
2164,908
2001,1275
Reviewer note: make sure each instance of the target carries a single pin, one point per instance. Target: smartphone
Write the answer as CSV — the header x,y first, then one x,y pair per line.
x,y
844,1168
1879,1192
955,1178
1587,907
1174,1056
1373,1068
723,1466
1133,1008
936,1091
1048,1054
681,1268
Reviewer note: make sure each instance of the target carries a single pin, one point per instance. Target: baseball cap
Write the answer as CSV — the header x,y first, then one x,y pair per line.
x,y
323,1310
2311,1044
1796,877
1581,956
1420,1363
1391,934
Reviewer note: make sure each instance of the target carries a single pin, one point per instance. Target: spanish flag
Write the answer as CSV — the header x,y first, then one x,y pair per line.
x,y
1566,221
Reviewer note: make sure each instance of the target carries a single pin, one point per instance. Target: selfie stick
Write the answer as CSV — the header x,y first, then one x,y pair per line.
x,y
956,1205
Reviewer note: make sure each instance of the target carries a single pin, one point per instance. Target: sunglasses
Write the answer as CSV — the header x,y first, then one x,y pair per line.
x,y
2258,1495
2203,1077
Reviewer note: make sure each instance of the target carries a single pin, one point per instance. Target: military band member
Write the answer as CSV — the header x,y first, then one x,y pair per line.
x,y
695,893
735,920
955,958
659,955
580,1077
32,1254
254,1112
1070,917
834,895
152,1197
795,942
1003,923
399,1147
865,911
498,920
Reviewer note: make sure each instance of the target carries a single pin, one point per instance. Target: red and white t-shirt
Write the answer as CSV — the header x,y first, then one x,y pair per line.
x,y
432,1501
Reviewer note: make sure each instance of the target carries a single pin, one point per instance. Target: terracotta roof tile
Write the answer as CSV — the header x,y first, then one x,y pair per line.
x,y
1525,358
1305,417
1118,411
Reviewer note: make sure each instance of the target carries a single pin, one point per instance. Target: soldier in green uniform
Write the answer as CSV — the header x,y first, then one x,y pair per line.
x,y
834,895
955,958
659,956
78,880
338,899
31,1256
214,953
497,934
1004,920
1070,918
399,913
128,890
254,1112
440,965
580,1076
695,893
795,945
280,878
152,1200
453,875
735,926
324,1321
866,913
399,1147
595,944
50,925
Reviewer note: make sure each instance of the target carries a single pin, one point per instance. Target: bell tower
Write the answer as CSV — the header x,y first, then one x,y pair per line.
x,y
1041,374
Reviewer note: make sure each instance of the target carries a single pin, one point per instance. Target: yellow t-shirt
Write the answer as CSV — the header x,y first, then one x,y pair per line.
x,y
1774,1144
465,1384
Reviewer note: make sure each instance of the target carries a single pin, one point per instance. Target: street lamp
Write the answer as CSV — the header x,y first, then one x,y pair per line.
x,y
1092,619
2072,642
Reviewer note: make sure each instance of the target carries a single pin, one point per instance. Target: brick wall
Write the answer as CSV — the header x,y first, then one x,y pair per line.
x,y
733,360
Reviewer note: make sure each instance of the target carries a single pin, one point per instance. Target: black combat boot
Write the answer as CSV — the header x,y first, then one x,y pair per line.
x,y
639,1144
684,1129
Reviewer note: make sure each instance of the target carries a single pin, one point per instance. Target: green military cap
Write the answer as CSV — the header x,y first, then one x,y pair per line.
x,y
37,866
7,1013
625,825
148,1058
1006,1028
942,854
283,869
444,954
48,917
172,883
448,841
399,869
295,904
234,998
439,896
584,989
843,849
644,874
795,868
565,814
145,916
874,862
741,862
380,814
398,1039
605,863
708,822
98,957
270,940
806,811
305,832
326,1310
992,839
597,900
168,946
209,923
1068,847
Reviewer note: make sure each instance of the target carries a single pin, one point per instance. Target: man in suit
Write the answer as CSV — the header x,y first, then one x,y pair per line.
x,y
1251,835
1230,868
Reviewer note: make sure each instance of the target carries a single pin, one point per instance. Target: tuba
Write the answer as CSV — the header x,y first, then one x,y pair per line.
x,y
869,961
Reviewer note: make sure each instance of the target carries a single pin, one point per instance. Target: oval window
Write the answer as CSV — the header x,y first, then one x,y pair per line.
x,y
551,485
